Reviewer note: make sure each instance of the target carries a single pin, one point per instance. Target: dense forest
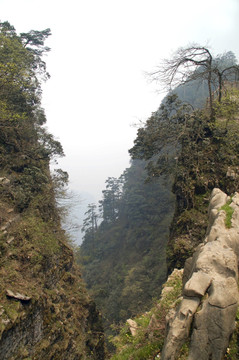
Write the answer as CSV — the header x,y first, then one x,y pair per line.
x,y
150,220
124,257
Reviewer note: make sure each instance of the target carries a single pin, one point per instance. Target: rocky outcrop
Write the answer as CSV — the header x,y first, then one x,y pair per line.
x,y
210,298
133,327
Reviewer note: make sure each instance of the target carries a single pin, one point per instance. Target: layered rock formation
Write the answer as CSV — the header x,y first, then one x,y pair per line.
x,y
210,298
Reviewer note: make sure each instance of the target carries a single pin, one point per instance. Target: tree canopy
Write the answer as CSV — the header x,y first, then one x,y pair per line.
x,y
25,145
124,255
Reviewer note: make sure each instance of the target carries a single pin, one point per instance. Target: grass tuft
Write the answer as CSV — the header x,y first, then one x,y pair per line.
x,y
229,212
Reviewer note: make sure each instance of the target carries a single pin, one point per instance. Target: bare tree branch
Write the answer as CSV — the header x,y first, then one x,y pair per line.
x,y
190,63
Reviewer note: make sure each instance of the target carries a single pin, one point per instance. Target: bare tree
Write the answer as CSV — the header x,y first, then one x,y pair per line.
x,y
225,69
192,63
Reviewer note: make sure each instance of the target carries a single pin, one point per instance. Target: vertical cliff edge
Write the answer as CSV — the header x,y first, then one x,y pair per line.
x,y
45,311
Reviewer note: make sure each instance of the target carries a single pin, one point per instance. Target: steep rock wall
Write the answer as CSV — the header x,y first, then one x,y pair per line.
x,y
45,311
210,298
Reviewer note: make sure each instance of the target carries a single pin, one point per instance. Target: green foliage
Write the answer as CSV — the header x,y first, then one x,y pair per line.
x,y
159,140
229,105
206,156
199,151
229,212
110,204
25,146
124,262
148,341
90,222
41,234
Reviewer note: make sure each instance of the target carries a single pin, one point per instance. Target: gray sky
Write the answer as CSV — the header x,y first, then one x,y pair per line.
x,y
100,52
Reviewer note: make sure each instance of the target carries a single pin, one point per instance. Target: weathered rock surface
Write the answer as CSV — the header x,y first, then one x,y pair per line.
x,y
17,295
133,327
210,293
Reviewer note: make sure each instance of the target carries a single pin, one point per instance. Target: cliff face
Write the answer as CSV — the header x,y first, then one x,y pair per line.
x,y
45,311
